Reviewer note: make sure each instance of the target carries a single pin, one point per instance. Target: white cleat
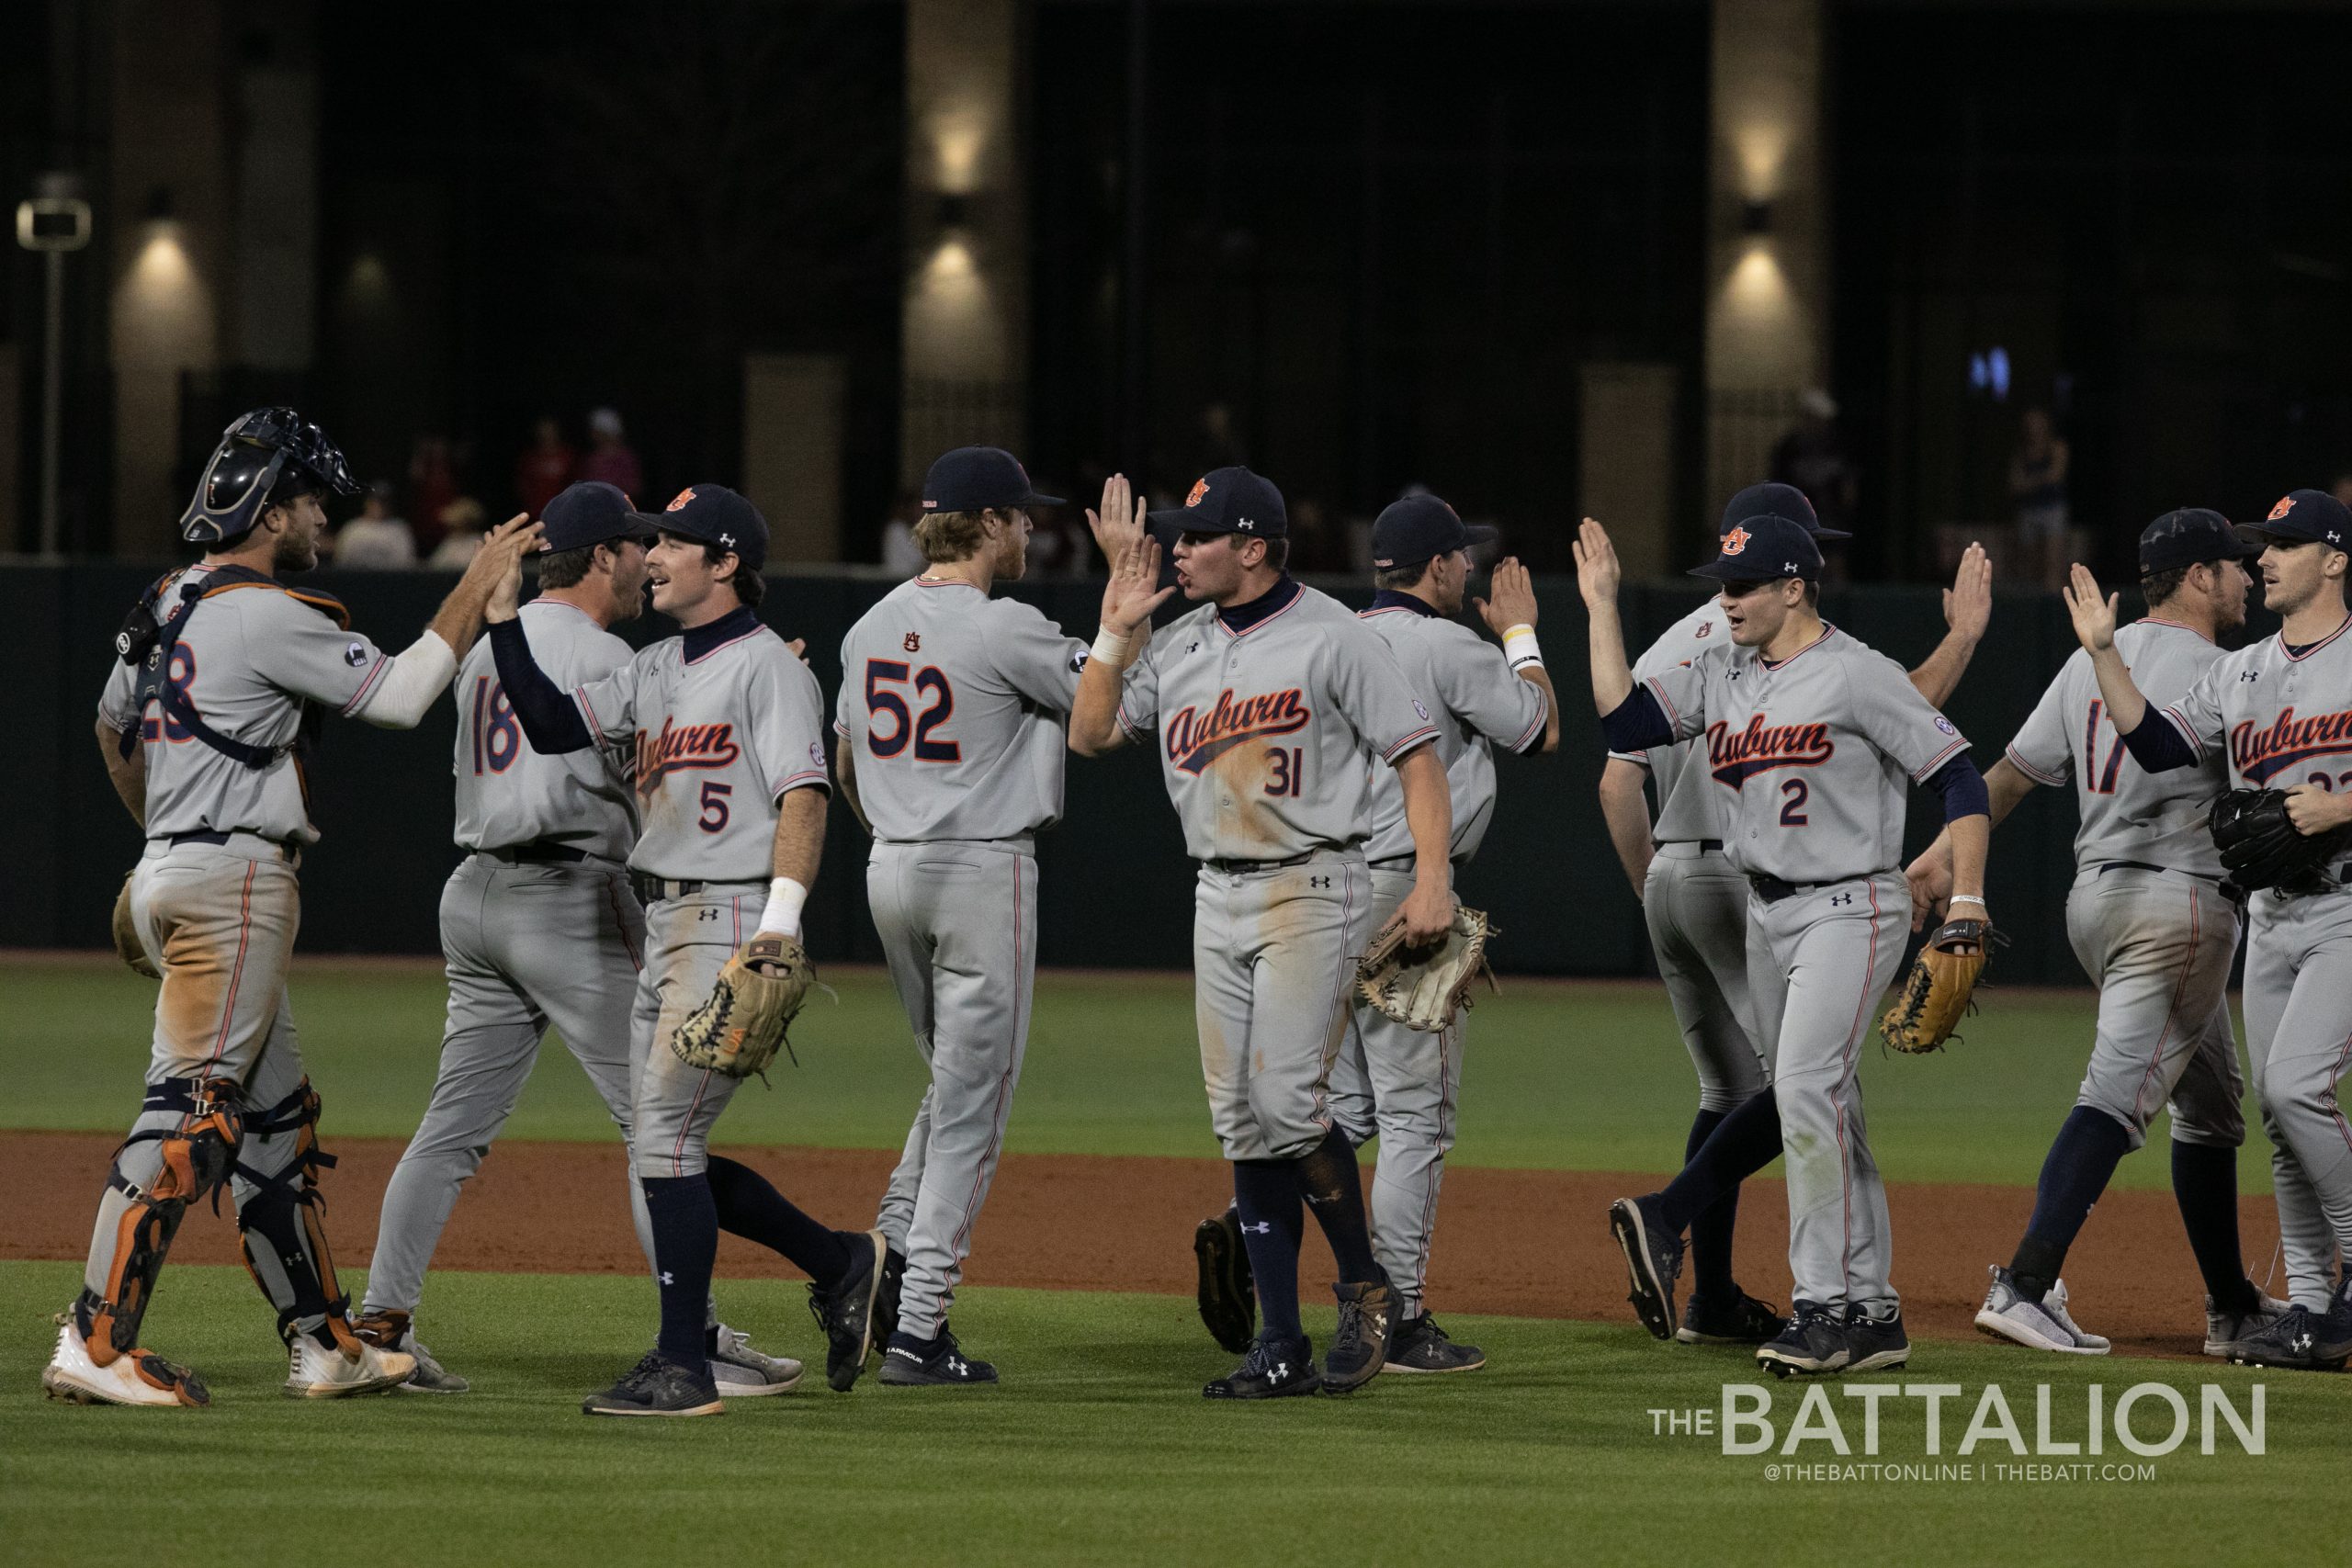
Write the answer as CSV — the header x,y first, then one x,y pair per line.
x,y
2038,1325
138,1377
314,1371
743,1372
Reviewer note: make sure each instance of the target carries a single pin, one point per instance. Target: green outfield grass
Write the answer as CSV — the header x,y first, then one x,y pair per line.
x,y
1558,1077
1097,1449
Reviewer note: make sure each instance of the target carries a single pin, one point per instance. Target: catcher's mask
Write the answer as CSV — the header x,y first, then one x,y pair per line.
x,y
266,457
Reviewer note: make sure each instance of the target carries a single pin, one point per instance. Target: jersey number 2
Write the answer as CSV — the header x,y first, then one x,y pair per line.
x,y
882,677
1793,807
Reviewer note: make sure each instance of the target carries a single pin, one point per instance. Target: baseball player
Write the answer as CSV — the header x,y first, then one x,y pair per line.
x,y
226,677
728,728
2151,924
2281,713
538,926
1391,1082
1815,734
1695,905
951,729
1264,700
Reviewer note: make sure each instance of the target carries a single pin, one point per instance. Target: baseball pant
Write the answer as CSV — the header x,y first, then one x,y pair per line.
x,y
220,920
1400,1084
1818,961
687,941
2298,1038
958,924
2160,945
527,946
1274,957
1695,905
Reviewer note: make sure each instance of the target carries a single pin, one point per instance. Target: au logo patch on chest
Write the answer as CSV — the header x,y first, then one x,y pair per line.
x,y
911,642
1195,740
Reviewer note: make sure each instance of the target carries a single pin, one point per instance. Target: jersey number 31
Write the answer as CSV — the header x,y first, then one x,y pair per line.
x,y
883,679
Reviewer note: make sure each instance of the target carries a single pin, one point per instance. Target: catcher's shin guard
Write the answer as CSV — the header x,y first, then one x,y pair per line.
x,y
280,1219
193,1156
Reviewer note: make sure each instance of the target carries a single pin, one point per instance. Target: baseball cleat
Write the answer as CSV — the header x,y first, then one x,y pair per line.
x,y
1875,1341
1227,1292
657,1386
1422,1346
319,1371
1366,1334
911,1362
391,1329
1744,1321
741,1372
2293,1342
886,1300
2038,1325
1813,1343
1272,1370
135,1377
846,1312
1653,1261
2225,1330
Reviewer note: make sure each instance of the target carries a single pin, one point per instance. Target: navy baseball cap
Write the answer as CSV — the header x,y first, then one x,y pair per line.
x,y
1764,549
1775,500
2304,516
1421,528
1229,500
973,478
717,515
2188,536
591,512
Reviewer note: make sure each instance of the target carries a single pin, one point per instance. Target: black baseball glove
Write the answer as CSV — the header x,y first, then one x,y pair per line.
x,y
2261,848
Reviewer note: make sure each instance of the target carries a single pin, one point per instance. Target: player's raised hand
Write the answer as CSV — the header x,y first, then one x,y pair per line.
x,y
1968,602
1597,569
2094,617
498,565
1514,604
1120,523
1133,590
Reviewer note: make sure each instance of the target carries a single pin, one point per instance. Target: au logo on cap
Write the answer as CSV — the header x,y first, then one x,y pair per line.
x,y
679,502
1200,491
2286,504
1735,541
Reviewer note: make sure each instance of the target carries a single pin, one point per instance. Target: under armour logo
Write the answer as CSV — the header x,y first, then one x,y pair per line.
x,y
1195,648
2245,675
1841,898
1246,523
667,1277
1263,1228
1318,882
727,541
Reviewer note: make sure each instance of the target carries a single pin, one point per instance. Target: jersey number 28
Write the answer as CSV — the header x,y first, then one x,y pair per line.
x,y
883,677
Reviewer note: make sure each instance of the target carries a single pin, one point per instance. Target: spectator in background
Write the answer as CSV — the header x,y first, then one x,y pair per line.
x,y
900,555
610,459
376,540
432,486
2038,489
545,467
461,531
2342,488
1813,458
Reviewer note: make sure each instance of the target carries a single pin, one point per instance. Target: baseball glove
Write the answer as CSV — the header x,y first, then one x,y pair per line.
x,y
1424,988
739,1031
1939,989
127,945
2260,847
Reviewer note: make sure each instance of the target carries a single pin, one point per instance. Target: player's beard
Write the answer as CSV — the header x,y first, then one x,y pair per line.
x,y
296,550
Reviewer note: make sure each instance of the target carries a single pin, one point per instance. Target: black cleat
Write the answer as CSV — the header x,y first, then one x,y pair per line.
x,y
1653,1261
1875,1344
1745,1321
931,1363
1422,1346
886,1300
847,1312
657,1386
1367,1332
1274,1370
1815,1343
1228,1293
2296,1341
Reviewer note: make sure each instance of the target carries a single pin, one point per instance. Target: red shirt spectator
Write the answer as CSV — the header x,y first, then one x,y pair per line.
x,y
544,468
611,460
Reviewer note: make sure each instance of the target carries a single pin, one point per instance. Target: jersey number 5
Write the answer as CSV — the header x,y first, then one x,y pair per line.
x,y
883,676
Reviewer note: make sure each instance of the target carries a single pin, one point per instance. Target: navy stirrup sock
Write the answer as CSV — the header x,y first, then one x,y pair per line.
x,y
2205,1185
2082,1160
685,1245
1266,1201
1744,1143
749,1205
1711,1227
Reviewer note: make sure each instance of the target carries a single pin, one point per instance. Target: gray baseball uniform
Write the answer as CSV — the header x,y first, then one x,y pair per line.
x,y
2280,717
1694,901
1817,750
539,925
956,709
1261,736
719,738
216,904
1400,1083
2145,915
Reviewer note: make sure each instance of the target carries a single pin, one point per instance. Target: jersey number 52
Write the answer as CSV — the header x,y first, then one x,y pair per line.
x,y
884,700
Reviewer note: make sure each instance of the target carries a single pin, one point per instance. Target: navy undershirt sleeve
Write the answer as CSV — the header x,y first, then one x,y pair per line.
x,y
2158,746
1637,723
1962,788
553,725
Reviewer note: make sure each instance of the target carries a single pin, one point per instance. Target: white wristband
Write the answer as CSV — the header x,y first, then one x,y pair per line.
x,y
783,913
1519,646
1111,648
1967,899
